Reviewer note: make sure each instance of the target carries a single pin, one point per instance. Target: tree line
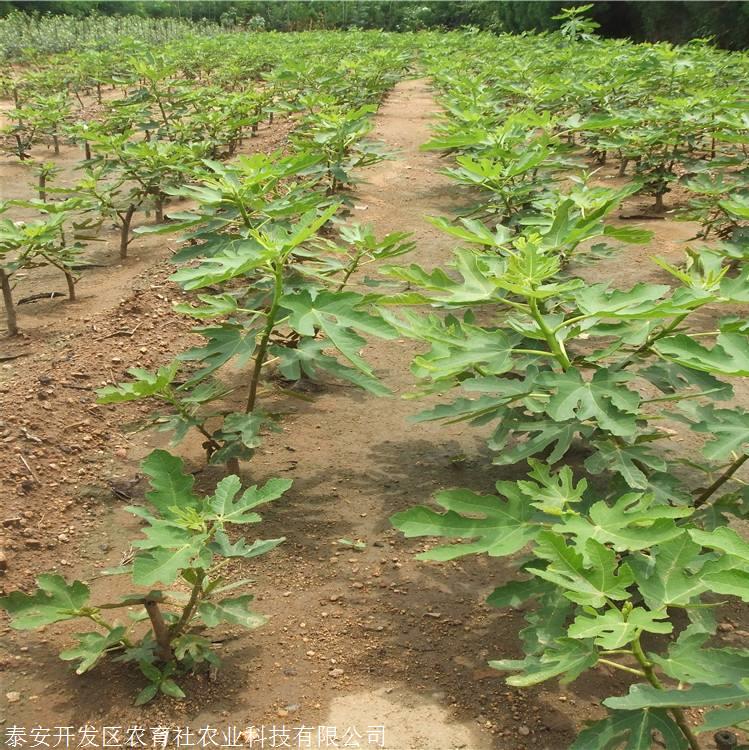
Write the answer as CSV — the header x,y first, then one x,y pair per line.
x,y
678,21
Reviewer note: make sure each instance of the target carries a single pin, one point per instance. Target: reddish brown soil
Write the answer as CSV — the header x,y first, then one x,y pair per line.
x,y
411,640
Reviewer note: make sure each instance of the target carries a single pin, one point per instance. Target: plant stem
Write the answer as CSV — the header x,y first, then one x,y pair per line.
x,y
652,678
10,310
239,203
721,480
179,627
126,219
70,281
270,322
623,667
160,630
69,278
159,208
557,348
347,275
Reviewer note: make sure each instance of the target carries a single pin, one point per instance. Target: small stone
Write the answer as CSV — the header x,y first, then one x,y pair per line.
x,y
334,597
336,672
282,712
524,731
13,697
33,544
3,561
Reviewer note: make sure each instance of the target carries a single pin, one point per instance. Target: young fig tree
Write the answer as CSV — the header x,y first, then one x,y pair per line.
x,y
178,577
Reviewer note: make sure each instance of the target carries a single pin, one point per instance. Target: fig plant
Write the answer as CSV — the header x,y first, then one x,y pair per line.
x,y
569,369
266,295
53,240
178,576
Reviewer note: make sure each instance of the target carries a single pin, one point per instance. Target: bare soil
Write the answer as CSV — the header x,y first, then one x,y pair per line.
x,y
355,639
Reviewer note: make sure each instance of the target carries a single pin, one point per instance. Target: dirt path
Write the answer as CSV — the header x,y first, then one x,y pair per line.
x,y
356,639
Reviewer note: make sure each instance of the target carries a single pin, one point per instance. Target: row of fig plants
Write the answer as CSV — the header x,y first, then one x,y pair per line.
x,y
664,114
167,113
271,267
626,543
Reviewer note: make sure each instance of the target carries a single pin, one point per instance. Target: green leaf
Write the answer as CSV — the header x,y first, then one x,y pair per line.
x,y
552,493
516,593
501,526
472,231
195,648
53,601
547,622
664,577
633,522
151,671
724,540
458,347
229,510
164,565
613,629
736,288
148,693
721,718
632,235
631,730
604,398
729,356
309,358
234,611
244,428
728,582
542,433
226,342
672,378
222,546
727,428
337,315
475,285
214,306
639,301
738,207
239,259
171,688
145,384
566,657
646,696
91,647
627,460
171,487
590,584
689,662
